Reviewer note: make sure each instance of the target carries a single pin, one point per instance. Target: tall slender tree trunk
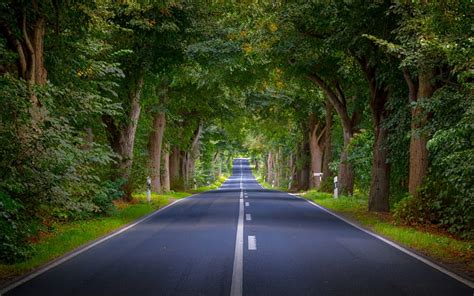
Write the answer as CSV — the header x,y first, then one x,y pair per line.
x,y
269,167
346,170
155,144
193,154
174,167
305,164
380,182
327,155
419,139
316,150
166,184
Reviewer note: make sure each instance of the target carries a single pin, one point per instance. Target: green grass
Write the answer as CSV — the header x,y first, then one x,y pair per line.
x,y
66,237
220,180
430,241
261,180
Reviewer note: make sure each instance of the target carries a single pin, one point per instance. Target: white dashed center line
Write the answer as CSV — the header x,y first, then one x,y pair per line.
x,y
248,217
252,243
247,204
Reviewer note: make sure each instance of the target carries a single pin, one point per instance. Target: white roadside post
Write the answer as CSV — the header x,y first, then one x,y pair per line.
x,y
318,175
289,183
148,189
335,188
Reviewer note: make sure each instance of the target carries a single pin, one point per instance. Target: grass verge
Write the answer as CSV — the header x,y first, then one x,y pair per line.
x,y
261,180
220,180
432,242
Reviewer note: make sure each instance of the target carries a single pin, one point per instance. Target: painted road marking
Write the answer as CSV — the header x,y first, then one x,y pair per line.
x,y
395,245
247,204
252,243
248,217
237,272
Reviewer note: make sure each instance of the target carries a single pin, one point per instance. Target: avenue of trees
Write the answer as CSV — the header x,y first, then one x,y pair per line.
x,y
97,95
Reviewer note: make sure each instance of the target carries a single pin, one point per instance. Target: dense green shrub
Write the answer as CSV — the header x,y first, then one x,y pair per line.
x,y
360,155
415,211
48,170
447,197
14,230
110,190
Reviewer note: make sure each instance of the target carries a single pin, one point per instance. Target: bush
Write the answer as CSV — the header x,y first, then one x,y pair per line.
x,y
360,155
14,231
415,211
110,190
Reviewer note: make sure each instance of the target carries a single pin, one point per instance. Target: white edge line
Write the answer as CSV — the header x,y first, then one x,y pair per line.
x,y
396,246
73,253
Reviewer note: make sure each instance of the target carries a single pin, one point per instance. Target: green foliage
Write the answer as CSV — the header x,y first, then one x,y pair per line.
x,y
14,230
49,168
415,211
451,178
360,155
110,191
447,196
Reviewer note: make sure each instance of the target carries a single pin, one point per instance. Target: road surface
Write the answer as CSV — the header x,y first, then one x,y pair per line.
x,y
242,240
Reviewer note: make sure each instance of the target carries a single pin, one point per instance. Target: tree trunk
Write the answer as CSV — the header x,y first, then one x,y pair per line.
x,y
336,97
418,141
316,151
183,161
174,167
156,140
346,170
380,175
193,154
269,167
28,42
379,185
327,156
166,170
305,164
122,138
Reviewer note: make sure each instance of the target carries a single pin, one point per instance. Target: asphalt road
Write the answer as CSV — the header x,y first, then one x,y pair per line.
x,y
242,240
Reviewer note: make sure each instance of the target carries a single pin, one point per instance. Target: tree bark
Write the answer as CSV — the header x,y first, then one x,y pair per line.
x,y
304,164
193,154
156,140
270,167
335,96
346,170
327,156
166,170
380,175
174,167
380,182
316,150
419,139
122,137
30,50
